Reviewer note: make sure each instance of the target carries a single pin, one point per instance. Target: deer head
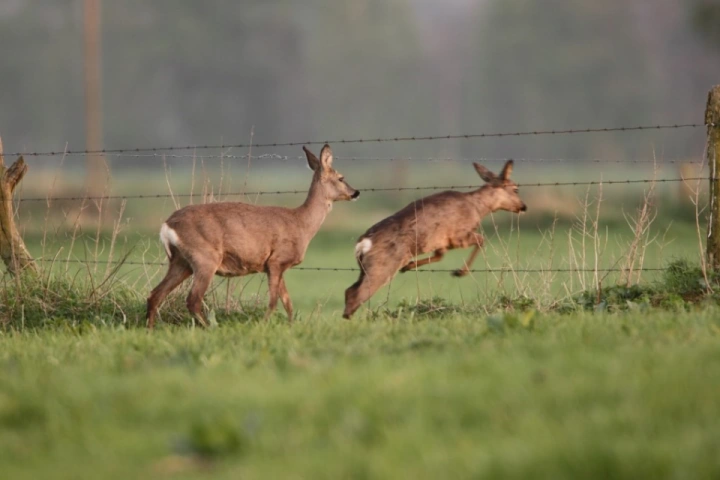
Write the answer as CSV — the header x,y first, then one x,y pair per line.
x,y
501,192
330,181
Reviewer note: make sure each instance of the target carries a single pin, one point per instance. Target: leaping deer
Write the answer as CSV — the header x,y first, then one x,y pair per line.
x,y
232,239
437,223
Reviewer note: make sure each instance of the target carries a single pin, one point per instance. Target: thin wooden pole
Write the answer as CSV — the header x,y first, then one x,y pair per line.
x,y
95,180
712,119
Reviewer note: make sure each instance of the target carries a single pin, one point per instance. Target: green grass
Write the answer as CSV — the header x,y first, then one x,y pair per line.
x,y
526,244
313,291
452,396
436,377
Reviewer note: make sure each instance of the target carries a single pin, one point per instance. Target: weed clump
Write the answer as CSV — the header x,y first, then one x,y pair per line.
x,y
682,285
435,307
214,437
32,302
35,302
688,280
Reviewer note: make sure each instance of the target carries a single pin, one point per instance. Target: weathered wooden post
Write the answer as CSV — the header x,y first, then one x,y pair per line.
x,y
12,248
712,120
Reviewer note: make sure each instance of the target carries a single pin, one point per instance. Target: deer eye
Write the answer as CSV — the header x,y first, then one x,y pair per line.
x,y
342,179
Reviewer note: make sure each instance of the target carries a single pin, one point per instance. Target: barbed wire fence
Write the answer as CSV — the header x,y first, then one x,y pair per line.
x,y
147,196
397,158
370,140
347,269
165,152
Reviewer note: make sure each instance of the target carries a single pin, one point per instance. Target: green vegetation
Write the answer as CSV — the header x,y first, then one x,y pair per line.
x,y
705,16
423,395
61,300
503,374
554,234
497,375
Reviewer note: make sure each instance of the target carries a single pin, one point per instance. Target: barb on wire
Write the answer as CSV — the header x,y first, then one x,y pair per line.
x,y
370,140
348,269
369,189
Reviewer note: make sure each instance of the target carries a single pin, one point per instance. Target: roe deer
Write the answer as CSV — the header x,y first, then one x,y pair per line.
x,y
437,223
232,239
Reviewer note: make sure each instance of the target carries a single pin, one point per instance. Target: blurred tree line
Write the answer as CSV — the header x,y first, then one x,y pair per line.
x,y
706,17
183,71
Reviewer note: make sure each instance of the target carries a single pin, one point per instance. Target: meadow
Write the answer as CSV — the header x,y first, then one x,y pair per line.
x,y
581,229
590,395
503,374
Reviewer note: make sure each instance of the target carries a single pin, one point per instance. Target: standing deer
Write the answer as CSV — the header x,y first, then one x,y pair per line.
x,y
437,223
232,239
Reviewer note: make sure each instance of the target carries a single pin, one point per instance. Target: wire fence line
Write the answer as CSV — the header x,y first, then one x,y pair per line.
x,y
349,269
399,158
371,140
363,190
162,153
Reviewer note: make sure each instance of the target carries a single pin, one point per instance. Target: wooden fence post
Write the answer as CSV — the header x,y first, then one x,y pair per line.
x,y
712,120
12,248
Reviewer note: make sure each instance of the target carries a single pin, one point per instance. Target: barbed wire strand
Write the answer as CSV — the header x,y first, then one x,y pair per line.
x,y
348,269
362,190
275,156
371,140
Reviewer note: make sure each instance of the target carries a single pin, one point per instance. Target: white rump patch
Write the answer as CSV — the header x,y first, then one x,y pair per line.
x,y
363,247
168,237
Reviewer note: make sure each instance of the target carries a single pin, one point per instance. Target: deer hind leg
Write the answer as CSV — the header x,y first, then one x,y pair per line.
x,y
202,278
372,278
478,241
351,295
439,254
178,272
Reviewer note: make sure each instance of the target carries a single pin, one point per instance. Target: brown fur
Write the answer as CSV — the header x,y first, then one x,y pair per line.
x,y
437,223
233,239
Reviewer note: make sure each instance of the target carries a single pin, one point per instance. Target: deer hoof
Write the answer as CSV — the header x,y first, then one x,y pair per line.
x,y
459,273
406,268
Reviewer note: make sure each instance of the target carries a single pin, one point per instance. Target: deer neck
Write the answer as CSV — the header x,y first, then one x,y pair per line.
x,y
313,211
481,200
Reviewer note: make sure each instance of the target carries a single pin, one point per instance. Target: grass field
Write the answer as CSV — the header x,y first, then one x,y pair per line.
x,y
528,246
550,236
458,396
496,375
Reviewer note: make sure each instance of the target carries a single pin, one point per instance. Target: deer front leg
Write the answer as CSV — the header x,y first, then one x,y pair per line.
x,y
285,297
274,275
461,272
439,254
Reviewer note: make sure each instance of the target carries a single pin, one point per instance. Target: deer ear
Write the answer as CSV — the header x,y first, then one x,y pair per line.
x,y
326,157
507,170
484,173
312,160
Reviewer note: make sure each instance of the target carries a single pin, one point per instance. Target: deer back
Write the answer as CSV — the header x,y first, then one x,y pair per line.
x,y
238,233
444,220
